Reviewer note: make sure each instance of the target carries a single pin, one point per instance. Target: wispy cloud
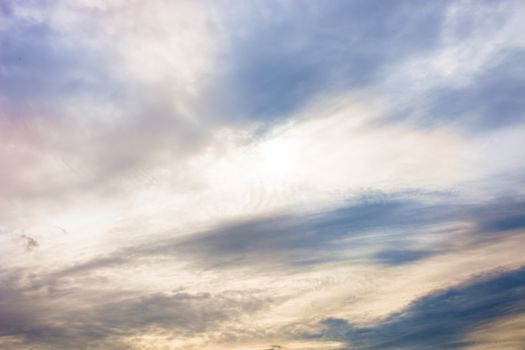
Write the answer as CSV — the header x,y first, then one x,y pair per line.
x,y
262,175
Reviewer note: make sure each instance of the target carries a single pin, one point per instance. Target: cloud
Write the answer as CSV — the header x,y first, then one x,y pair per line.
x,y
440,320
470,79
386,229
30,242
78,120
292,240
44,65
374,228
399,256
279,62
505,333
50,321
311,238
202,175
505,215
491,100
364,232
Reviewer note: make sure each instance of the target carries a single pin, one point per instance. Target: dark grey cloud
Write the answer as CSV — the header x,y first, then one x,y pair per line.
x,y
279,62
440,320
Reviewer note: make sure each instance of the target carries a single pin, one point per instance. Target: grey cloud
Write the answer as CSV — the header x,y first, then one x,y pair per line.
x,y
382,229
30,242
42,66
440,320
276,66
401,256
478,94
281,241
492,100
281,61
51,321
388,230
69,113
312,238
274,347
507,214
192,313
18,312
285,241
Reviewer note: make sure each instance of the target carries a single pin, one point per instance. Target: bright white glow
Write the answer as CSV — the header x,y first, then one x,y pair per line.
x,y
279,159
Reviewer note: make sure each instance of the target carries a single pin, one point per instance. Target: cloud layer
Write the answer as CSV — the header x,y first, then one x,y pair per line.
x,y
262,175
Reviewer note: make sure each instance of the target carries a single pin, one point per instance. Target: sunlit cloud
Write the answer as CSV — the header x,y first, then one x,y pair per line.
x,y
261,175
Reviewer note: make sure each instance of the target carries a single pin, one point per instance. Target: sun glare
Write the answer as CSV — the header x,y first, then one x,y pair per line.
x,y
279,159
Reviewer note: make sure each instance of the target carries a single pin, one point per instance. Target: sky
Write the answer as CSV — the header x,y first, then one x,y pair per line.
x,y
262,175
